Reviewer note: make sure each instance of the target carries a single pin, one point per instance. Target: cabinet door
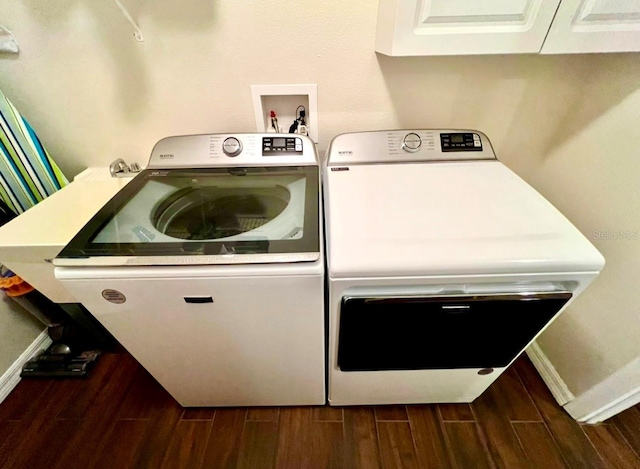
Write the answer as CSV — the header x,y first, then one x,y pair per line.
x,y
459,27
595,26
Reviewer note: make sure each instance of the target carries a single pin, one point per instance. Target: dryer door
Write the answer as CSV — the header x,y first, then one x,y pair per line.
x,y
441,332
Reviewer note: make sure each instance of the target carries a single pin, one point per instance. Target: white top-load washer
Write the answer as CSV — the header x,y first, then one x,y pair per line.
x,y
209,268
443,266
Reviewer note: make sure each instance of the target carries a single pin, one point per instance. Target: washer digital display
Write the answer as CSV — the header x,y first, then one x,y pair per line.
x,y
272,146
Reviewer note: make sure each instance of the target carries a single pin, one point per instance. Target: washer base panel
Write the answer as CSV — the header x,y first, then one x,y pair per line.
x,y
259,342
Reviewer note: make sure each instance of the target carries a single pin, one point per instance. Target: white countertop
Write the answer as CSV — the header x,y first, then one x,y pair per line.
x,y
28,242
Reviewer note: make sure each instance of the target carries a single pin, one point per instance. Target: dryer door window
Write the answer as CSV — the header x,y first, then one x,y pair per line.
x,y
445,332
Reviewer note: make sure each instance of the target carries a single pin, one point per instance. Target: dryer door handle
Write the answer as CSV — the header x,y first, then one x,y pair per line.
x,y
198,299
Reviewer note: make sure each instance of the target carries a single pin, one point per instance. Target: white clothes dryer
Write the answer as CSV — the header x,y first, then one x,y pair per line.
x,y
443,266
209,268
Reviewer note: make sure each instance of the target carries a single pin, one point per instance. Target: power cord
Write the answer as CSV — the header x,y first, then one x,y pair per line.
x,y
294,127
299,124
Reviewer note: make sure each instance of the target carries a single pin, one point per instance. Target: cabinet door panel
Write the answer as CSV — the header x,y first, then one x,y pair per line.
x,y
456,11
595,26
457,27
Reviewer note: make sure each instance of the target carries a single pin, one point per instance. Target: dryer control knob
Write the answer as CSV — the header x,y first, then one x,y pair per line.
x,y
411,142
231,146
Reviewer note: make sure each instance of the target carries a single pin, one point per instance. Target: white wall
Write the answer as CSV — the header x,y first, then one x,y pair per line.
x,y
18,329
94,94
593,176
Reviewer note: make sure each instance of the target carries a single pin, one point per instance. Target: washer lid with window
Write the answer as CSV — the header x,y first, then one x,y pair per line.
x,y
220,214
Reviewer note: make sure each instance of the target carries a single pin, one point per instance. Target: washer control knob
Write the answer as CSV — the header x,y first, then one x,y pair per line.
x,y
231,146
411,142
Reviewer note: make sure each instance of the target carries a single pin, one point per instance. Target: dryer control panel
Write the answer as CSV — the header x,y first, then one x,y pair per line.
x,y
460,141
409,145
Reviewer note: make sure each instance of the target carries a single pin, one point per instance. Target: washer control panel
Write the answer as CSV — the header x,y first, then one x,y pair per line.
x,y
460,141
231,146
275,146
239,149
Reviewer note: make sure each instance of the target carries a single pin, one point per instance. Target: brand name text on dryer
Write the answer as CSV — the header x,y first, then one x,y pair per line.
x,y
613,235
166,155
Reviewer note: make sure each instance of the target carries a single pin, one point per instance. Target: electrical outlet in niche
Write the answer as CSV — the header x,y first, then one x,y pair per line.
x,y
285,101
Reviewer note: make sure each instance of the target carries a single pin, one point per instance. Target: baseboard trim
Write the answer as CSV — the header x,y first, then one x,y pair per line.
x,y
11,377
619,405
550,376
609,397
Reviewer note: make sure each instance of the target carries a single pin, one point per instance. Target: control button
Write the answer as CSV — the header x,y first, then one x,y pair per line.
x,y
476,137
299,147
477,144
411,142
232,146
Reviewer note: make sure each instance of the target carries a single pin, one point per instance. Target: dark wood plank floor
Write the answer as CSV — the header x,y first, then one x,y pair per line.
x,y
120,418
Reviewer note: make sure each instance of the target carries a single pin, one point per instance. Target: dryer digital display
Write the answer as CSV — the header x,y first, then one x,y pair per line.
x,y
460,142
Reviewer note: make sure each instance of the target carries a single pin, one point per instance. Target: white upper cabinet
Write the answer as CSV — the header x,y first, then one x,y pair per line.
x,y
461,27
594,26
467,27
